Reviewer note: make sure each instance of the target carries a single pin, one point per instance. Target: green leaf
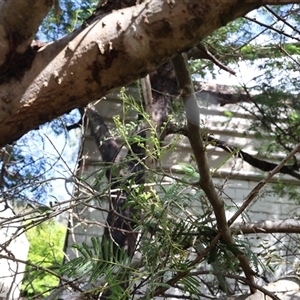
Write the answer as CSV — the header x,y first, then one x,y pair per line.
x,y
228,114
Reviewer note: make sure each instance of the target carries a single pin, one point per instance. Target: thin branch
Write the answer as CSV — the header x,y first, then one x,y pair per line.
x,y
251,160
213,59
38,267
148,100
240,278
288,55
248,158
283,20
252,195
267,226
196,140
281,32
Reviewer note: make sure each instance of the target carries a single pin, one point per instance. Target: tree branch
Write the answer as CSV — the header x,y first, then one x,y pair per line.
x,y
195,138
267,226
251,160
273,28
116,49
204,53
19,23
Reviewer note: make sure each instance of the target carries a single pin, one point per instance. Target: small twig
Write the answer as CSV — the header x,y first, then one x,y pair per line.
x,y
148,100
240,278
213,59
288,55
281,32
38,267
283,20
55,293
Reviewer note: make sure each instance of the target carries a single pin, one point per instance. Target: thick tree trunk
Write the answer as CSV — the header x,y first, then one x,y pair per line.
x,y
114,50
19,22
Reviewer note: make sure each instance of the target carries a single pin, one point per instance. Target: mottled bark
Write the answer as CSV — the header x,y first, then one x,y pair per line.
x,y
164,88
117,48
19,22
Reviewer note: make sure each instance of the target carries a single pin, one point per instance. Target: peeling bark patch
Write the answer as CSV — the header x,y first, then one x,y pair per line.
x,y
145,19
71,46
160,29
72,99
109,58
197,9
190,26
17,64
56,77
171,3
96,68
119,25
108,54
6,100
